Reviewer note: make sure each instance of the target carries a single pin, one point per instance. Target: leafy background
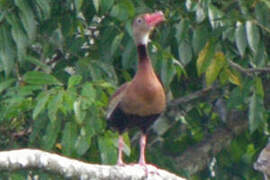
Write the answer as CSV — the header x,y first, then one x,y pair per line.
x,y
60,61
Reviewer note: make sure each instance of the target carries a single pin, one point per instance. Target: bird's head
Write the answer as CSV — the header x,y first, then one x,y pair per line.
x,y
144,24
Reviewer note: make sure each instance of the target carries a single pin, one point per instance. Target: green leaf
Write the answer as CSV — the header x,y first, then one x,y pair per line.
x,y
41,103
45,7
236,98
79,112
58,40
167,68
27,17
105,84
128,54
243,5
96,4
214,68
74,80
28,89
105,5
181,30
5,4
38,63
250,153
215,15
5,84
261,13
68,138
52,132
228,33
95,121
83,142
199,38
267,3
241,38
205,57
123,10
38,126
116,42
88,93
191,5
223,77
126,148
54,104
239,96
255,113
259,87
128,28
200,14
253,35
17,176
18,35
234,77
185,52
260,55
7,53
40,78
236,150
69,98
79,3
106,148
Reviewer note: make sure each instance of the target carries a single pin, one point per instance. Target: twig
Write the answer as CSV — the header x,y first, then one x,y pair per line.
x,y
57,57
248,71
191,97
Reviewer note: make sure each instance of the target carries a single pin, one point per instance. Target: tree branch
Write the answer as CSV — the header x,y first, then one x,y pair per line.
x,y
248,71
196,95
70,168
197,157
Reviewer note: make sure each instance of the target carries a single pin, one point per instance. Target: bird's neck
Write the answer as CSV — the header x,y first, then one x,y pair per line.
x,y
143,55
144,64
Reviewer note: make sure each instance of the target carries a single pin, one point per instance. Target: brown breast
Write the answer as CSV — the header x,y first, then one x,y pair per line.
x,y
145,94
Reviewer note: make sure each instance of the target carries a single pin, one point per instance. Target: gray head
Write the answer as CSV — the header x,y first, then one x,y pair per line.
x,y
144,24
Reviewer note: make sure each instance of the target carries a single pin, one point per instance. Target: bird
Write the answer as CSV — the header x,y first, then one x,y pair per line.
x,y
139,102
263,162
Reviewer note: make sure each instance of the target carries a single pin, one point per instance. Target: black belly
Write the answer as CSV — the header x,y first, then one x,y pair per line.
x,y
121,121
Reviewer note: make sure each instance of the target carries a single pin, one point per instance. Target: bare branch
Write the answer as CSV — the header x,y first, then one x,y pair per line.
x,y
248,71
261,25
197,157
198,94
70,168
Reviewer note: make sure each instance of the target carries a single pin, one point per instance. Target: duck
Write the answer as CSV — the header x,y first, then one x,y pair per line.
x,y
139,102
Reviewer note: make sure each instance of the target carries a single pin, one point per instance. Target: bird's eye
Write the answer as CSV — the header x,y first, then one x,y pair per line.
x,y
139,20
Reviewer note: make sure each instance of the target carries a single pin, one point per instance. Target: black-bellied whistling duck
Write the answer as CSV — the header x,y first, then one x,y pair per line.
x,y
138,103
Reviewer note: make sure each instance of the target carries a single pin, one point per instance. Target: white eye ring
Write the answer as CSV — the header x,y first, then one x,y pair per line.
x,y
139,20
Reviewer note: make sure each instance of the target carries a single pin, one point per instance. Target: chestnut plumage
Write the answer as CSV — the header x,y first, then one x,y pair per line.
x,y
138,103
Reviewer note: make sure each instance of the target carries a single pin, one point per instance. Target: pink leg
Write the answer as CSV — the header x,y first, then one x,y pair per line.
x,y
142,158
120,149
142,150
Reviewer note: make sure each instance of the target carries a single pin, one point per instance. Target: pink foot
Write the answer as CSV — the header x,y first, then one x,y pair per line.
x,y
121,164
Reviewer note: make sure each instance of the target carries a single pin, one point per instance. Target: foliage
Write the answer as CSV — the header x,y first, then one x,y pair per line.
x,y
61,60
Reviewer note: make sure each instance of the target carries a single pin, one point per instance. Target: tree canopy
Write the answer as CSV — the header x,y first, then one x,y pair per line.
x,y
60,61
